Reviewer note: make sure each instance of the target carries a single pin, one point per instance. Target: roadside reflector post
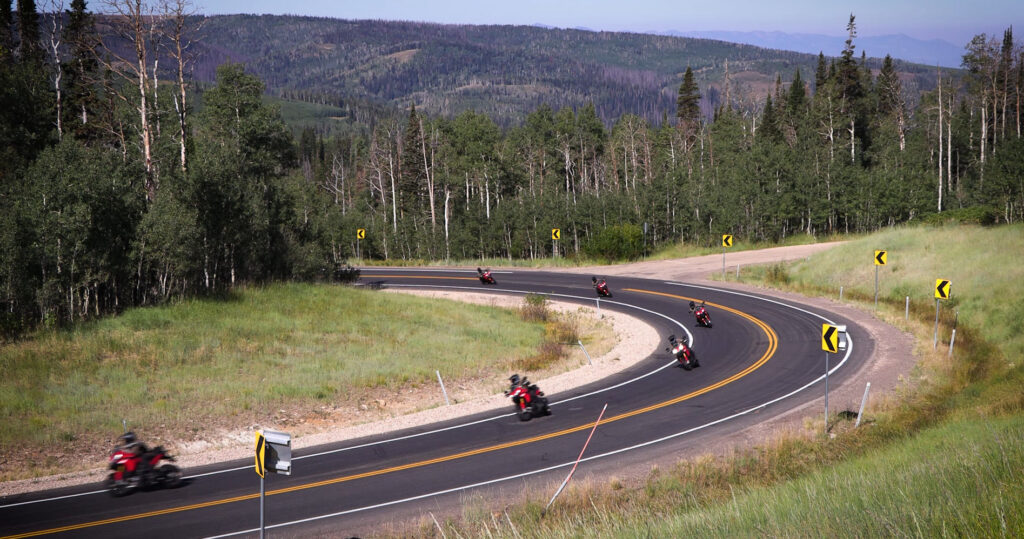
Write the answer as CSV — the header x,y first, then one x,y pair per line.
x,y
591,363
598,300
737,272
840,293
577,463
952,339
443,390
863,401
906,313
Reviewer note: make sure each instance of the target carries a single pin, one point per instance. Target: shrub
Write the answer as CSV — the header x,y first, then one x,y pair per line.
x,y
535,308
777,274
619,242
976,215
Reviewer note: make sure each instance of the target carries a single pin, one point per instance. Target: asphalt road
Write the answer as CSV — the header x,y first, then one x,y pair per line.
x,y
761,358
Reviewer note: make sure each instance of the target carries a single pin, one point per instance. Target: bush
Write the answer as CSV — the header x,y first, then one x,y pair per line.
x,y
976,215
619,242
535,308
777,274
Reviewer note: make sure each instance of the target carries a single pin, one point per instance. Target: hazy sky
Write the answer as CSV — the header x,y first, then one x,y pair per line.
x,y
955,21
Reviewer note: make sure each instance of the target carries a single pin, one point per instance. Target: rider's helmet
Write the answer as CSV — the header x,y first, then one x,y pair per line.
x,y
127,438
593,279
514,379
692,306
478,270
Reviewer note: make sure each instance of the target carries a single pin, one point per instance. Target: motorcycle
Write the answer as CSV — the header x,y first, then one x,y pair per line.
x,y
485,276
685,355
702,314
601,287
133,470
528,399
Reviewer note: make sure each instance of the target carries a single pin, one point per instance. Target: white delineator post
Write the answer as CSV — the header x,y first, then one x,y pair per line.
x,y
589,361
577,463
863,401
443,390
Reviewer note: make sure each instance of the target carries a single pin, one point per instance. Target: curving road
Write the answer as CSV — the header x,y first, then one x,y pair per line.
x,y
762,357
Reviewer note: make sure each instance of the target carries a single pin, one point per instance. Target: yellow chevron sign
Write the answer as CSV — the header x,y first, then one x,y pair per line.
x,y
880,258
942,288
360,233
726,240
556,233
829,338
261,453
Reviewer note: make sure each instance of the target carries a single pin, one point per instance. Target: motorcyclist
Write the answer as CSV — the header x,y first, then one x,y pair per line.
x,y
130,445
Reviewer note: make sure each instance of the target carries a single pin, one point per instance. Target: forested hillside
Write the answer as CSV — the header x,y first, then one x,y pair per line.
x,y
116,190
503,72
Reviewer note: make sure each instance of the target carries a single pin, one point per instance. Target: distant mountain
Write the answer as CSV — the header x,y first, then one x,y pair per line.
x,y
930,53
504,72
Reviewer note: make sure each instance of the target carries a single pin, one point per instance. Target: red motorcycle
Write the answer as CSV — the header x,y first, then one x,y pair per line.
x,y
601,287
485,276
135,467
528,399
685,355
702,314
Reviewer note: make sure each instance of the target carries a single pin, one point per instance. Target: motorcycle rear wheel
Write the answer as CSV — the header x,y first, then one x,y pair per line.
x,y
170,476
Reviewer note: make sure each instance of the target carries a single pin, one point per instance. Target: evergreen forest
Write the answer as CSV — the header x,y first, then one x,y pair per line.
x,y
126,183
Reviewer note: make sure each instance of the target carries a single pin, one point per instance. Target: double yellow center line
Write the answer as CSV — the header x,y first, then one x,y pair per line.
x,y
769,352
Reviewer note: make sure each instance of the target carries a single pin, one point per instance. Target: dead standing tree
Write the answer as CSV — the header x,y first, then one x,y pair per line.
x,y
176,14
131,23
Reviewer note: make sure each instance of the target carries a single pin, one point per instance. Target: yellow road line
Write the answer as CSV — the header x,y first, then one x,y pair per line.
x,y
769,352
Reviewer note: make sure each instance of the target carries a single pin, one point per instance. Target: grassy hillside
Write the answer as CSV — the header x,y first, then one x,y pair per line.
x,y
942,459
276,354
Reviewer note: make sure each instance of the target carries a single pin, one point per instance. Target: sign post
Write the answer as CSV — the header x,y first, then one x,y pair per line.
x,y
556,234
831,344
942,290
880,260
274,455
360,235
726,242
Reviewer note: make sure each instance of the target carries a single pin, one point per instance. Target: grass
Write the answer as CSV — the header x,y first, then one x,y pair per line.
x,y
943,458
183,368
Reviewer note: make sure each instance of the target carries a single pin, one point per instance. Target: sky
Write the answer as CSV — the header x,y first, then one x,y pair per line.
x,y
955,21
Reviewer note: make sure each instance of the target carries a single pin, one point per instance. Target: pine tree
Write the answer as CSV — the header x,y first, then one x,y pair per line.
x,y
81,72
821,73
412,172
688,103
30,48
797,94
6,37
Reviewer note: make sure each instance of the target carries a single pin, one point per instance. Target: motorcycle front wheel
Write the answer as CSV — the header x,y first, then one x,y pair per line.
x,y
524,414
116,488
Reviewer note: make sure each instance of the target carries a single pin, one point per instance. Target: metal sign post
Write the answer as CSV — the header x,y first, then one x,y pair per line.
x,y
726,242
942,290
880,260
274,455
831,344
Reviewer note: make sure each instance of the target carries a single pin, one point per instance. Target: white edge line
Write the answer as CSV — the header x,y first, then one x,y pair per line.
x,y
426,270
849,350
435,431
